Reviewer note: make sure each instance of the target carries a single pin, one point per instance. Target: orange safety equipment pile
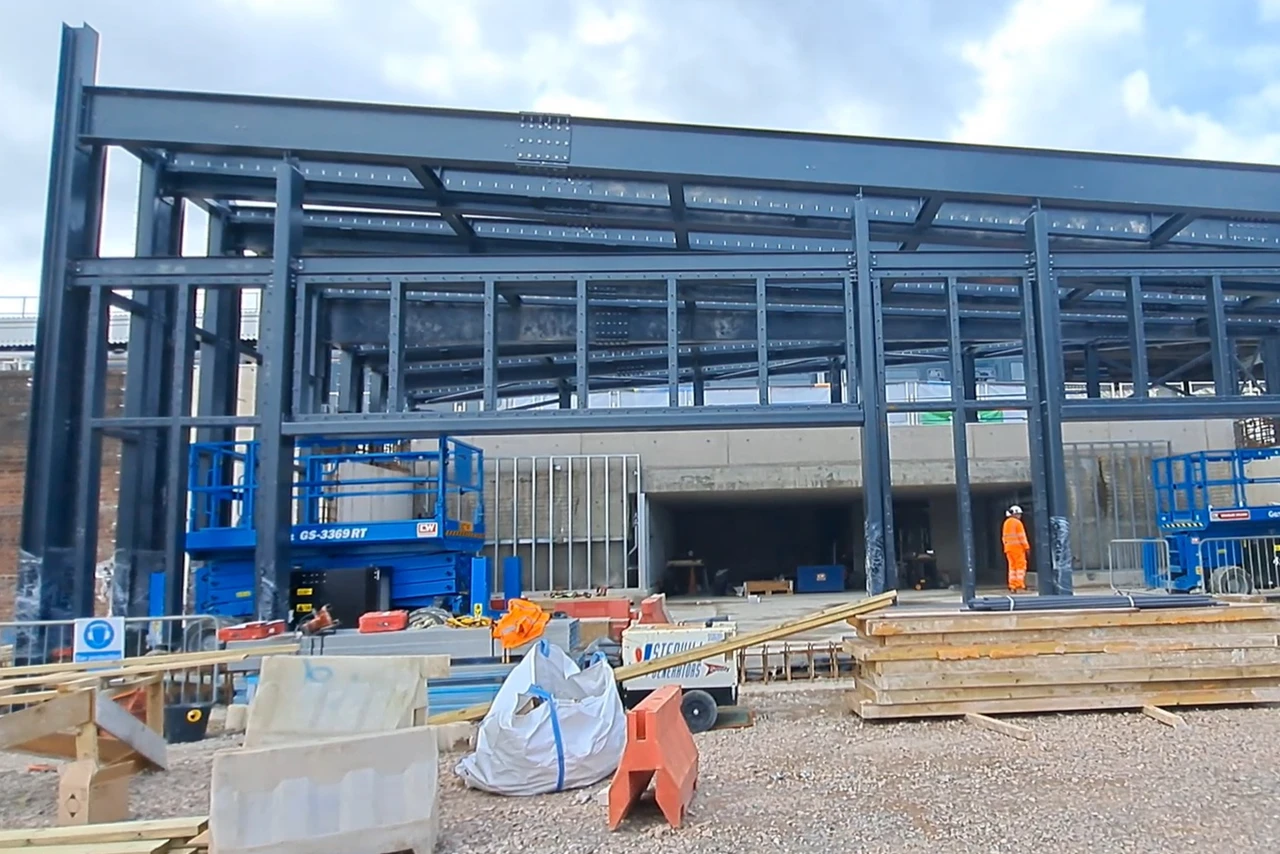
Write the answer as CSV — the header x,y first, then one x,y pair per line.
x,y
659,748
523,622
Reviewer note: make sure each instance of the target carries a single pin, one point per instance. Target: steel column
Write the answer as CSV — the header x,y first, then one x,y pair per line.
x,y
960,446
89,477
881,562
581,345
490,344
177,447
274,506
350,382
1221,354
673,343
395,350
1138,339
141,519
762,341
1271,364
1054,552
1092,371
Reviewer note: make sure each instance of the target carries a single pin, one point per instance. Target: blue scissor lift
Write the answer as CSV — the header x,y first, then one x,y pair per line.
x,y
342,491
1216,530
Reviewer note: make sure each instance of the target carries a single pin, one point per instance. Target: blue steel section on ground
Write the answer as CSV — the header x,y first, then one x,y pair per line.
x,y
429,557
1190,511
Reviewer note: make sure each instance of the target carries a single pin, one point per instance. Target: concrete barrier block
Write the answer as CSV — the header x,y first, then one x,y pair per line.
x,y
305,698
370,794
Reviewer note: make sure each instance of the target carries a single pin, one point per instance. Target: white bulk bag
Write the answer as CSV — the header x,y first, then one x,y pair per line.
x,y
574,737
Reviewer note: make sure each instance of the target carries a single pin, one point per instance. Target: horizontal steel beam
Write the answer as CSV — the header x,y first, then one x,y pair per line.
x,y
1169,408
596,148
645,419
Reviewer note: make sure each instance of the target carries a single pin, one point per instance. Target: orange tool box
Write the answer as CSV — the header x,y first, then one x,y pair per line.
x,y
383,621
260,630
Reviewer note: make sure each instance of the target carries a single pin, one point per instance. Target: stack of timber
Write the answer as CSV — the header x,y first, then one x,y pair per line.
x,y
922,664
170,836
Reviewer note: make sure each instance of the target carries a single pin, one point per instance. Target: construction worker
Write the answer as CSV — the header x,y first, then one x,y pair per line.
x,y
1016,549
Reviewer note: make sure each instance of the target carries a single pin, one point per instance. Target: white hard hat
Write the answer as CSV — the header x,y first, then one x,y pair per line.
x,y
1015,510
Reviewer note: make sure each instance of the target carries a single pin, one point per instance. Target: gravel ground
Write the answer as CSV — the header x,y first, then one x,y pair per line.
x,y
809,774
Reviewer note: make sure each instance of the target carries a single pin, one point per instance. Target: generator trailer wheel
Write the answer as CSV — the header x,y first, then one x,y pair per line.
x,y
699,711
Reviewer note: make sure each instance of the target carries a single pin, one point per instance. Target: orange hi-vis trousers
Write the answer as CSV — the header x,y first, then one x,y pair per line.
x,y
1016,549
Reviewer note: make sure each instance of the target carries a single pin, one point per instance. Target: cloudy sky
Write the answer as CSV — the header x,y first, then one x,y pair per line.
x,y
1176,77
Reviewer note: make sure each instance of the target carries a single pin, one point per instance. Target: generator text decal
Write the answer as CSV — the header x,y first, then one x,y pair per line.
x,y
692,670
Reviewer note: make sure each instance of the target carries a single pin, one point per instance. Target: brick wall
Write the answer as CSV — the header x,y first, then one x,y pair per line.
x,y
15,405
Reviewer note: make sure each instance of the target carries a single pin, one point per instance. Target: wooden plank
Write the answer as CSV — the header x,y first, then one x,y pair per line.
x,y
62,745
903,622
1002,727
1230,629
1049,675
862,650
729,646
984,667
200,840
51,716
1026,692
868,709
137,735
139,846
124,831
152,663
1167,718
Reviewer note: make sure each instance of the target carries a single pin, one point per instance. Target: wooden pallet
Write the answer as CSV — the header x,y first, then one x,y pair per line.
x,y
924,664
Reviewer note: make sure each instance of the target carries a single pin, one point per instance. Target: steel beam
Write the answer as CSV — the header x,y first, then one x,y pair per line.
x,y
368,133
1270,353
673,341
622,420
46,571
274,507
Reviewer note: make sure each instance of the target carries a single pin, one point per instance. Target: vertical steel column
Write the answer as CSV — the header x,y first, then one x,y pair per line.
x,y
377,381
1221,353
177,447
834,386
699,384
350,382
219,384
274,505
490,353
395,349
762,341
1092,371
960,446
73,215
881,562
141,518
969,369
851,372
1053,553
1271,363
89,459
673,344
1138,339
582,352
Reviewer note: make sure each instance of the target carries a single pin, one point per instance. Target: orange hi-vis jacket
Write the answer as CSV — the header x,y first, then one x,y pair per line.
x,y
1014,536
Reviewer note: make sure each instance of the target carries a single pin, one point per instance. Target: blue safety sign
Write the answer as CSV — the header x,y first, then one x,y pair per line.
x,y
99,639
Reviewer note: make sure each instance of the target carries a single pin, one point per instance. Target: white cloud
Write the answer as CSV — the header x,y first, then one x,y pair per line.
x,y
1269,10
1038,71
1196,134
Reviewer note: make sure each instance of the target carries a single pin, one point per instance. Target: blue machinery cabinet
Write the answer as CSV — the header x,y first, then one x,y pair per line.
x,y
429,548
1218,537
819,579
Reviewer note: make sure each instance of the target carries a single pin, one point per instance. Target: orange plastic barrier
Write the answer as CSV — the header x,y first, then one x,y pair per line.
x,y
659,748
613,607
653,611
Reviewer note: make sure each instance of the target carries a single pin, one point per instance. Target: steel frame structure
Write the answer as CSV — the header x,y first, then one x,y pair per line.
x,y
445,255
